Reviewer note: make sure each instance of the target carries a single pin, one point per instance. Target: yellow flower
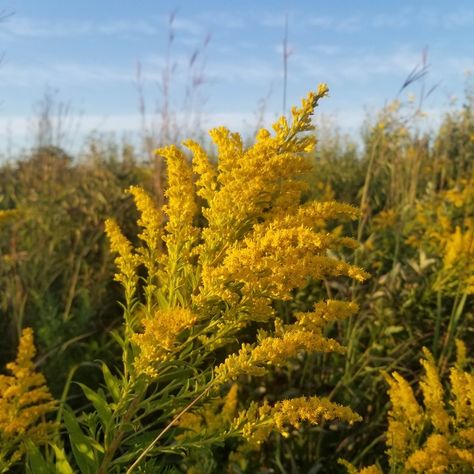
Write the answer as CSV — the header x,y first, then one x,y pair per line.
x,y
256,243
230,403
150,219
24,401
310,409
258,421
305,335
450,443
433,458
433,394
272,261
462,385
385,219
351,469
405,419
206,172
181,207
126,261
326,312
159,337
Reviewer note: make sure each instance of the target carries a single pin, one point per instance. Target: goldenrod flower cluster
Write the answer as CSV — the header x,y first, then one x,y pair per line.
x,y
438,437
444,227
232,238
127,261
159,337
287,341
351,469
24,401
459,256
257,422
449,447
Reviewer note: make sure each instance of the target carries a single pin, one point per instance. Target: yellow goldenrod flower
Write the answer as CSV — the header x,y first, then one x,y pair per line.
x,y
230,148
274,261
405,419
252,360
206,172
258,421
158,339
325,312
255,244
181,207
310,409
449,446
433,394
230,403
462,385
351,469
24,401
126,261
434,458
150,219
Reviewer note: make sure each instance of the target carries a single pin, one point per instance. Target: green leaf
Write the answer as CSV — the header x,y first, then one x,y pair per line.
x,y
62,464
111,382
100,404
162,301
36,464
117,337
393,330
84,448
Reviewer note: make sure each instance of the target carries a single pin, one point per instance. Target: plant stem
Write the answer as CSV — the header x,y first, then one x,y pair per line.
x,y
167,428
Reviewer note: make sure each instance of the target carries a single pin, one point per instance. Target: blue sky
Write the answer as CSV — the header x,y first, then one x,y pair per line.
x,y
88,52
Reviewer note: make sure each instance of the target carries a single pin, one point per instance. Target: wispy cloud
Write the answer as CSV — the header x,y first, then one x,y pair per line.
x,y
459,18
60,73
357,65
222,19
187,25
18,26
273,20
246,71
347,24
410,16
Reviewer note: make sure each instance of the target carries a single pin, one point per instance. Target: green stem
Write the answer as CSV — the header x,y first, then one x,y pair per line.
x,y
167,428
439,309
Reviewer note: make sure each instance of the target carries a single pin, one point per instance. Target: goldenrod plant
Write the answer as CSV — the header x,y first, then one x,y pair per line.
x,y
25,400
232,240
438,436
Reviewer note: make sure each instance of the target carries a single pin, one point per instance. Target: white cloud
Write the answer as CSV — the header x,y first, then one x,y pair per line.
x,y
326,49
189,26
273,20
60,73
20,26
340,24
246,71
458,19
357,65
222,19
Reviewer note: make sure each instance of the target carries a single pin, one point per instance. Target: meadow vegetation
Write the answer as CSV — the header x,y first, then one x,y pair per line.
x,y
300,304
